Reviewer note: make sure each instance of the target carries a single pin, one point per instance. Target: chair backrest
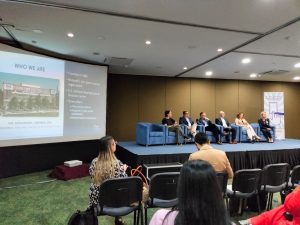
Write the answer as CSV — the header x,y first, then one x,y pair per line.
x,y
295,176
222,180
163,186
119,192
246,181
275,174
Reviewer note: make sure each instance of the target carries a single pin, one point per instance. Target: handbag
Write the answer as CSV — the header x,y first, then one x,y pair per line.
x,y
83,218
138,172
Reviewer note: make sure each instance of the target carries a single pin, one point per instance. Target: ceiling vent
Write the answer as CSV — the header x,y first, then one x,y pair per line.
x,y
275,72
116,61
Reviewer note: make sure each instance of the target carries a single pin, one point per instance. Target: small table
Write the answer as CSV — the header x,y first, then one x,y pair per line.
x,y
63,172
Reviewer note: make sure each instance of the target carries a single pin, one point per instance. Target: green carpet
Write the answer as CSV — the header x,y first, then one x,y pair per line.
x,y
35,199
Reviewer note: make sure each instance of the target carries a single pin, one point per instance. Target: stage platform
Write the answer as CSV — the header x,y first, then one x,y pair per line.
x,y
241,155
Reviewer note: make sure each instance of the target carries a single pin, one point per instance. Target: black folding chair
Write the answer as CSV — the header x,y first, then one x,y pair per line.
x,y
120,197
245,184
295,177
274,179
222,180
162,191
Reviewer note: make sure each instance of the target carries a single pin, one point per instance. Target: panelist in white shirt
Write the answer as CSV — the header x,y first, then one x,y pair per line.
x,y
187,120
229,132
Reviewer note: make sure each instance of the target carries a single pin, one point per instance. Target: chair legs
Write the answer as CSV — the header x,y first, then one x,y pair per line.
x,y
146,216
134,218
142,216
270,201
258,204
226,202
138,217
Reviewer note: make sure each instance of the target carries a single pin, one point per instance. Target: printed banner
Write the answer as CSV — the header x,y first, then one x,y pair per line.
x,y
274,106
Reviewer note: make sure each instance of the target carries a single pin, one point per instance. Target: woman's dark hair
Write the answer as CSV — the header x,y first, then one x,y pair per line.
x,y
167,112
201,138
104,143
200,200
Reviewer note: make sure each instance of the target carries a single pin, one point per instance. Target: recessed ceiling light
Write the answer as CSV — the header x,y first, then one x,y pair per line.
x,y
192,46
70,35
253,75
220,50
296,78
148,42
246,60
101,38
185,68
208,73
96,53
37,31
297,65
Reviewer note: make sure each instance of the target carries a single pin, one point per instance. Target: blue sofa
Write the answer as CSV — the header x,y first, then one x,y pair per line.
x,y
150,134
209,133
261,135
243,133
237,138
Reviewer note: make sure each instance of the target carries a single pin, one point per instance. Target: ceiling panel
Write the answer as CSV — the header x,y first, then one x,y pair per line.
x,y
173,46
285,41
230,67
251,15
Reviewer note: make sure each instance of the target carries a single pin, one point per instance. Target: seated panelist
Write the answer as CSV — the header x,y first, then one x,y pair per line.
x,y
228,130
209,126
242,122
187,120
173,126
265,126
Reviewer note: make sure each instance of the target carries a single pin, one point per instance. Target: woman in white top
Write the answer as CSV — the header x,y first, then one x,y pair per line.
x,y
200,200
242,122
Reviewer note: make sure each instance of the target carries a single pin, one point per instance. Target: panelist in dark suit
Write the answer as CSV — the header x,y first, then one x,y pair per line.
x,y
173,126
227,128
209,126
188,122
265,127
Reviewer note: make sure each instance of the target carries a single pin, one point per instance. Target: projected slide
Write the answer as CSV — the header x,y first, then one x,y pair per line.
x,y
44,100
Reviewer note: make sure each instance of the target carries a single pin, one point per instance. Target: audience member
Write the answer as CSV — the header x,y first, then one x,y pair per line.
x,y
209,126
104,167
187,120
286,214
228,130
242,122
264,124
200,200
206,152
173,126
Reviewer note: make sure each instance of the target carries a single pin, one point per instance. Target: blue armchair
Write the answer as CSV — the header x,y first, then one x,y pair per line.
x,y
150,134
243,133
171,135
261,135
